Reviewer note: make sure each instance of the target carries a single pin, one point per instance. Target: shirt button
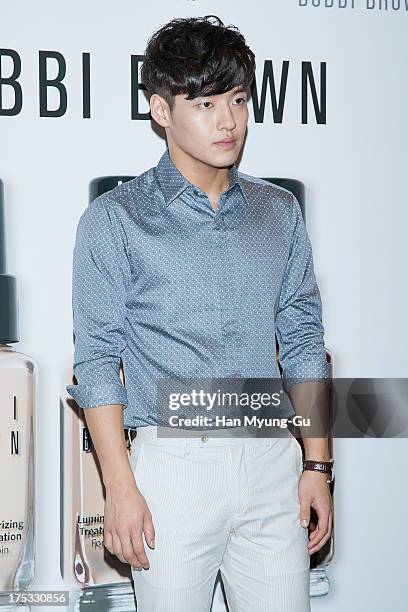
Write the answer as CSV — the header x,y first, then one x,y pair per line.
x,y
204,439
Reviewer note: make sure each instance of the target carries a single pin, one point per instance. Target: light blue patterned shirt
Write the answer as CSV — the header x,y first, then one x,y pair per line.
x,y
178,289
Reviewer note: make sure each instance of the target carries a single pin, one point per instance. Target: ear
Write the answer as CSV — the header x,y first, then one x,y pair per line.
x,y
159,110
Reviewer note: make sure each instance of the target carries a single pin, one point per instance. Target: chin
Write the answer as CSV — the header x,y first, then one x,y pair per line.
x,y
220,158
227,157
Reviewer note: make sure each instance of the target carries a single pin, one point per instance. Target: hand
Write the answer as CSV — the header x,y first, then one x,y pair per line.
x,y
127,516
314,492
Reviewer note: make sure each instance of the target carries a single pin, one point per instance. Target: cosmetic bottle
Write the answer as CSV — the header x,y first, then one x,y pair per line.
x,y
98,579
320,560
102,184
17,458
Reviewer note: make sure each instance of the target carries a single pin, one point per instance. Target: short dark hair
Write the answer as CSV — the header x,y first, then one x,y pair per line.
x,y
198,57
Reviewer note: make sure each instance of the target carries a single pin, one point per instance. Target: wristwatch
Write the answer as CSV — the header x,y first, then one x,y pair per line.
x,y
326,467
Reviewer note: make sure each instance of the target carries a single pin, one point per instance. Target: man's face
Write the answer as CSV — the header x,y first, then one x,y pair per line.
x,y
197,126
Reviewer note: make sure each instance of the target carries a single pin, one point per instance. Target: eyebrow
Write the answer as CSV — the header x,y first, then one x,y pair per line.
x,y
234,91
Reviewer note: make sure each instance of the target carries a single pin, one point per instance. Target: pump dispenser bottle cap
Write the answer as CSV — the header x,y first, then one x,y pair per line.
x,y
8,288
102,184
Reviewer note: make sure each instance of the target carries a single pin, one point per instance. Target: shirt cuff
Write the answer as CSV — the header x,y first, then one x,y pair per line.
x,y
306,371
91,396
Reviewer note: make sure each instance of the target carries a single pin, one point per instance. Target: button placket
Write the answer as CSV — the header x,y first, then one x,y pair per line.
x,y
229,304
219,251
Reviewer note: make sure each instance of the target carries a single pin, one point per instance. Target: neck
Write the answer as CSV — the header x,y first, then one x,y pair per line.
x,y
212,181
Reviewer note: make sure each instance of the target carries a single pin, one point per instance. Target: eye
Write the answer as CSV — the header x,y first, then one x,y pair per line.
x,y
244,100
205,102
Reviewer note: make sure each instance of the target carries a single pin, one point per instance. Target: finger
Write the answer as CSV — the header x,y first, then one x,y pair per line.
x,y
107,541
325,539
323,510
319,545
330,527
117,547
129,553
314,534
316,537
148,530
316,546
304,513
313,546
322,525
138,547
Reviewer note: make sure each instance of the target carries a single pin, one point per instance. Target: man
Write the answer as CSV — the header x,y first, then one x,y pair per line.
x,y
189,270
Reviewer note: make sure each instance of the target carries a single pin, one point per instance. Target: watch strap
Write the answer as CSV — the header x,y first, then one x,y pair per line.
x,y
325,467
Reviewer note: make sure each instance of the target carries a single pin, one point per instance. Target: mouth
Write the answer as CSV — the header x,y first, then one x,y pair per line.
x,y
227,143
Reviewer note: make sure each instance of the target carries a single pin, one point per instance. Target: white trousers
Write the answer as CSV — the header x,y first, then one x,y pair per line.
x,y
225,504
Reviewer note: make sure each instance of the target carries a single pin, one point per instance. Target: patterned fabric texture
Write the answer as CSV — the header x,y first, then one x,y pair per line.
x,y
176,288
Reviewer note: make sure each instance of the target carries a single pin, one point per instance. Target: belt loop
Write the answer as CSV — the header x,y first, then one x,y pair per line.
x,y
187,448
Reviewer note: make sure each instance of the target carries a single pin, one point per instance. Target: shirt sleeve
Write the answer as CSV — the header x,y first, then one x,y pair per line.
x,y
100,273
299,327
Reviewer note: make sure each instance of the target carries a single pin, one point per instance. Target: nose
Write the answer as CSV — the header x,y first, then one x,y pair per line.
x,y
225,118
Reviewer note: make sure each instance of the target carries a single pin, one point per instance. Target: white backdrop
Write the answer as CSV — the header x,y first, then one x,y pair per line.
x,y
354,169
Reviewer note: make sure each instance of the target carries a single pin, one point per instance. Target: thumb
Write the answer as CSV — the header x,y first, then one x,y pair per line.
x,y
149,532
304,515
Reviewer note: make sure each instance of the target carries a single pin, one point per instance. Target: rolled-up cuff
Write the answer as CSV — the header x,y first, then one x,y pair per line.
x,y
91,396
306,371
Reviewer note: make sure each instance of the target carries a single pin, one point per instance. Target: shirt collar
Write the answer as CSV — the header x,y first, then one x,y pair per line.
x,y
173,182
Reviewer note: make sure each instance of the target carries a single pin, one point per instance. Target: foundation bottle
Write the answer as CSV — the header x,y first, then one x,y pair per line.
x,y
17,461
97,579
